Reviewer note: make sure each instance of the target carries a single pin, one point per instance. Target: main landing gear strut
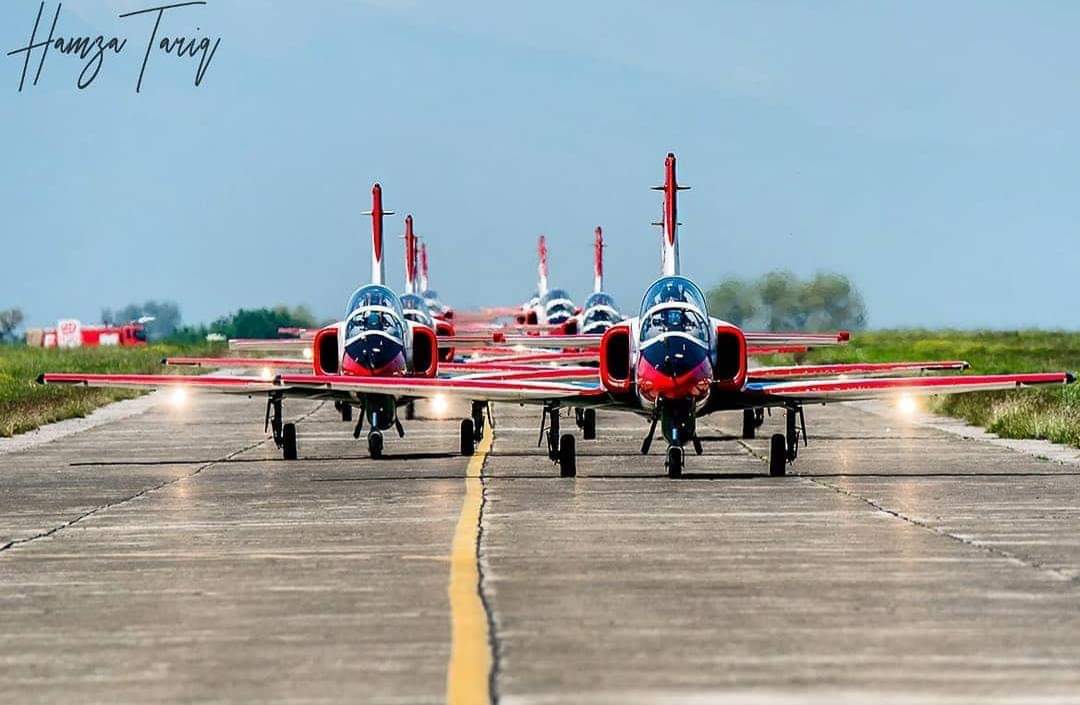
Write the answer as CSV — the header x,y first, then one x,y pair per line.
x,y
284,433
784,447
561,449
586,421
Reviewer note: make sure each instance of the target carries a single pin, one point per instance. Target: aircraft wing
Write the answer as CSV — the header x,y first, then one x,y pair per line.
x,y
273,363
808,339
853,368
287,345
228,385
472,389
832,390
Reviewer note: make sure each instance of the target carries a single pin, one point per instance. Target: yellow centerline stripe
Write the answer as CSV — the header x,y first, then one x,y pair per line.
x,y
470,652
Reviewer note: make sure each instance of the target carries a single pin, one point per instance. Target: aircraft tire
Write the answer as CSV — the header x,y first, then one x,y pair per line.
x,y
468,440
674,461
778,455
588,425
288,441
375,444
567,456
749,423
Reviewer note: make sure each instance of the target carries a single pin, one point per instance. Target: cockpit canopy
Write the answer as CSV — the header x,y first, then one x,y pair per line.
x,y
557,305
677,289
374,309
600,313
416,310
674,305
374,295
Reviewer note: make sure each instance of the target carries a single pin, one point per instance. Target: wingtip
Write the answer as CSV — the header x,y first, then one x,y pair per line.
x,y
41,378
1070,377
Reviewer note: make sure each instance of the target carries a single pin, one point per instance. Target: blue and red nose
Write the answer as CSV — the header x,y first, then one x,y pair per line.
x,y
373,356
664,374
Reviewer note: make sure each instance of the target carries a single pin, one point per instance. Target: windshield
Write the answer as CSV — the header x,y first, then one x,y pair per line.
x,y
675,319
416,310
558,307
677,289
374,321
599,299
373,295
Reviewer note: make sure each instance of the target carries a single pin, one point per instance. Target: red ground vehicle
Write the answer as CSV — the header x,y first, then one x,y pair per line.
x,y
70,333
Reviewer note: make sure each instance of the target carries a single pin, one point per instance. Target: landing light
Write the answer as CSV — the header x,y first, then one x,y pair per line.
x,y
178,397
267,374
307,353
439,404
907,405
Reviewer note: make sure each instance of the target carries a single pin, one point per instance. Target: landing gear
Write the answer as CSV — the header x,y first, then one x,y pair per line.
x,y
567,457
468,437
674,462
284,433
749,423
561,449
375,444
345,409
410,411
778,455
478,409
587,423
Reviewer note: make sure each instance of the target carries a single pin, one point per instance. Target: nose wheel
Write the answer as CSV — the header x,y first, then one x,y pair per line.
x,y
375,444
674,462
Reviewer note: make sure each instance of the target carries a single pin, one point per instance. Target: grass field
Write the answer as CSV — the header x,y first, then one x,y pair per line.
x,y
1049,413
25,405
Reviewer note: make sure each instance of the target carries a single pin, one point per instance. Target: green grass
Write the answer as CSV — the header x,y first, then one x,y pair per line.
x,y
1051,413
25,405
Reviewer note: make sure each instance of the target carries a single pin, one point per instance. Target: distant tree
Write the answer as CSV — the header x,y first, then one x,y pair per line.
x,y
734,300
262,322
166,316
10,319
779,301
833,302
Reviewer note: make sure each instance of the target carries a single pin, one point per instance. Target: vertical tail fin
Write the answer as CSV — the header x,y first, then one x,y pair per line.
x,y
378,266
598,261
410,256
542,270
669,248
423,268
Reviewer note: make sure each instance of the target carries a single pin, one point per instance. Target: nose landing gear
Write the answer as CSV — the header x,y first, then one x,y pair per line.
x,y
284,434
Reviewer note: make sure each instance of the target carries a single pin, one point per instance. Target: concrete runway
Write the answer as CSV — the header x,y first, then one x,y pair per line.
x,y
171,557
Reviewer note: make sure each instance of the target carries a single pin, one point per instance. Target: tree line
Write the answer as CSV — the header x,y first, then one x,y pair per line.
x,y
782,301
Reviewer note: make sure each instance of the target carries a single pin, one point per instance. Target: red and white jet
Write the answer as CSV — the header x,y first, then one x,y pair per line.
x,y
672,364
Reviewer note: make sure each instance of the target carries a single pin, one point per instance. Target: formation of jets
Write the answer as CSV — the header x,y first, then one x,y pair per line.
x,y
670,363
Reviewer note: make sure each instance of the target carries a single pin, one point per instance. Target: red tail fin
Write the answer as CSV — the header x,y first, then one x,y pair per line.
x,y
423,268
669,252
542,283
410,256
378,266
598,261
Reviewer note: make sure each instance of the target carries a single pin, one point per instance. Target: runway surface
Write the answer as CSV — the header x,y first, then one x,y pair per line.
x,y
172,557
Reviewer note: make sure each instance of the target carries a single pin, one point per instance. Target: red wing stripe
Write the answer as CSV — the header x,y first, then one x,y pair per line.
x,y
429,382
852,368
916,383
246,362
151,380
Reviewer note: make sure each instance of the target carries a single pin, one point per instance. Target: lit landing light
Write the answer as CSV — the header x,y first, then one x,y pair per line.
x,y
267,374
178,397
440,405
907,405
307,353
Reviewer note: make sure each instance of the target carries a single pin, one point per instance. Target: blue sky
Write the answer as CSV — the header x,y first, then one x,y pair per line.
x,y
927,150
